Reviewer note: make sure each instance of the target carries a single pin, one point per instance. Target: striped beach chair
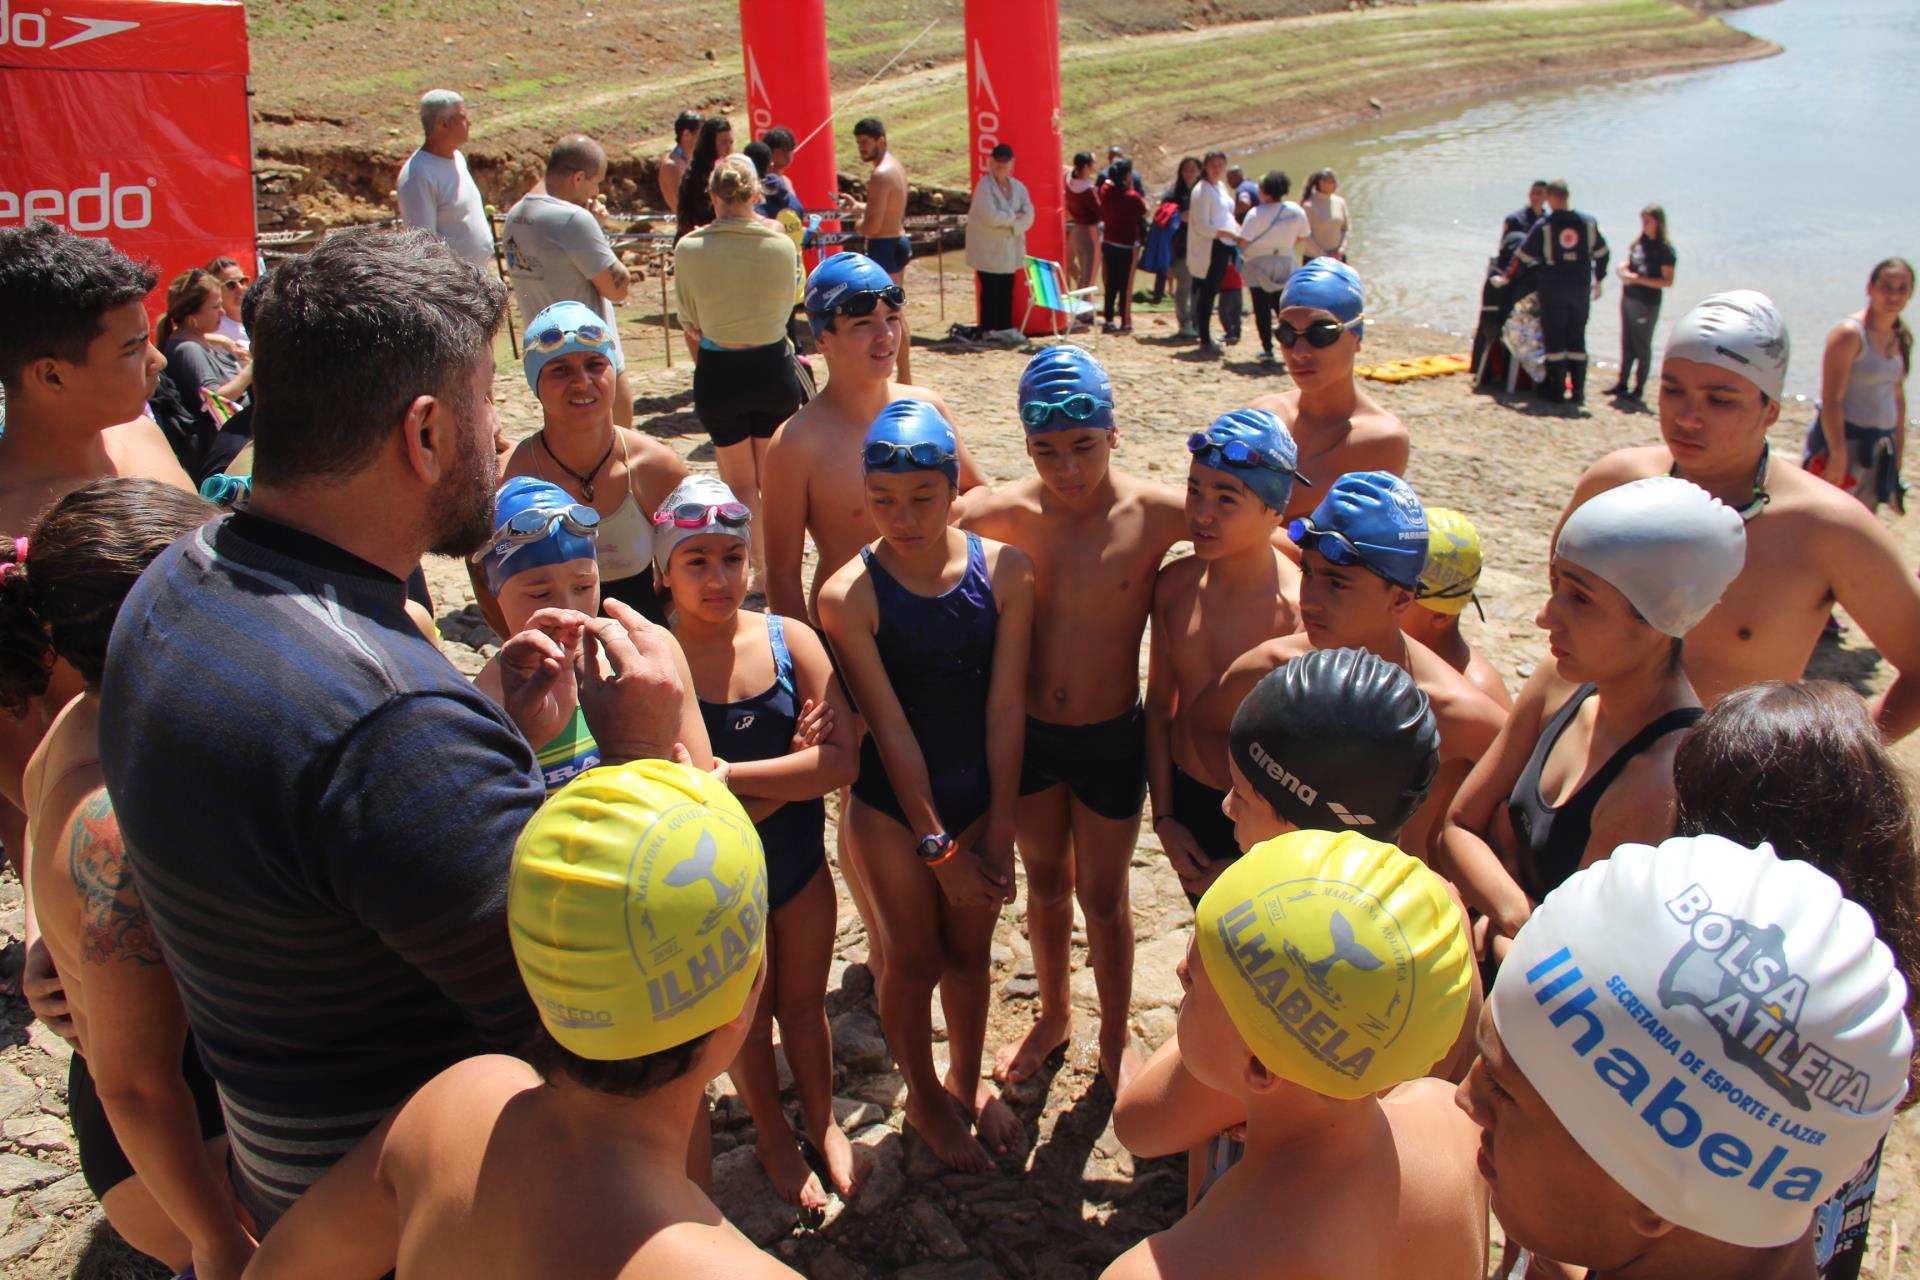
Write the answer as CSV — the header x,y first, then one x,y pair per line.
x,y
1047,290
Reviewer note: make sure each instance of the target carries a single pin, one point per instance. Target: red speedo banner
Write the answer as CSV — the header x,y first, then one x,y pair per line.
x,y
1013,96
785,42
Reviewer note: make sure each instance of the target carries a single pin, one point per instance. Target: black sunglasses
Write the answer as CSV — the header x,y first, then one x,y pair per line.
x,y
1320,334
864,302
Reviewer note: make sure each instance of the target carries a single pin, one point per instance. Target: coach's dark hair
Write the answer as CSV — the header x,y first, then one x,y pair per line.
x,y
54,287
622,1077
83,556
344,339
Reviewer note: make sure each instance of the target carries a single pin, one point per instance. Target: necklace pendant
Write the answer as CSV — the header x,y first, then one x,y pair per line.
x,y
587,489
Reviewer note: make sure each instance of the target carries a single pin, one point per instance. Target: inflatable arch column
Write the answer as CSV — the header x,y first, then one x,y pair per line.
x,y
785,47
1013,96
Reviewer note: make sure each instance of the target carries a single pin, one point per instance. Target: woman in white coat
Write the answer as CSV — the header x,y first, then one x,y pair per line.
x,y
997,226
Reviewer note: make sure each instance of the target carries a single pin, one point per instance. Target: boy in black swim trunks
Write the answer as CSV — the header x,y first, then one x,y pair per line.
x,y
1234,592
1096,537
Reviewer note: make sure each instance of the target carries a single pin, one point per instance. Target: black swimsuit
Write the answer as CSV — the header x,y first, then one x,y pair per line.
x,y
1554,841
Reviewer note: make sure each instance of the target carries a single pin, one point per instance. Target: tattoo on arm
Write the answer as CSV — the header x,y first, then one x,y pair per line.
x,y
113,924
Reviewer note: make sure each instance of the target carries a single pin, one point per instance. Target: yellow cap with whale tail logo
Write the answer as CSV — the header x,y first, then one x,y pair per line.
x,y
637,906
1343,962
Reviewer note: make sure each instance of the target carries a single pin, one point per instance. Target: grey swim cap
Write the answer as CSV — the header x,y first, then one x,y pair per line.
x,y
1667,545
697,506
1740,331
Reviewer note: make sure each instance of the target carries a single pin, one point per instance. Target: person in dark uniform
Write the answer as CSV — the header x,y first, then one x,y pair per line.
x,y
1571,254
1521,220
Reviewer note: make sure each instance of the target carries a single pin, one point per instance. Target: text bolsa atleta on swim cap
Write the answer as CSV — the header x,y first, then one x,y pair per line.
x,y
1328,284
1342,961
562,329
637,908
910,435
1667,545
1740,331
561,542
715,502
1452,572
1380,516
838,277
1338,739
1063,388
1721,1031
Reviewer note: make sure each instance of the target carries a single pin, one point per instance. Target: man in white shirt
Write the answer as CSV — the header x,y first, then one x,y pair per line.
x,y
1212,232
557,250
436,192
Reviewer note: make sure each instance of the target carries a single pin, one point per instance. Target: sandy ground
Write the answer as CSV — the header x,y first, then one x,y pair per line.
x,y
1077,1198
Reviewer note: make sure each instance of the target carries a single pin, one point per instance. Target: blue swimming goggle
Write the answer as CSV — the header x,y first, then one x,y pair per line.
x,y
921,453
535,524
1079,406
587,335
1236,452
1337,548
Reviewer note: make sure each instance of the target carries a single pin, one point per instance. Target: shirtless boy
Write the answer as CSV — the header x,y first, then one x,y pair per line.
x,y
1096,537
1234,592
575,1166
1809,544
883,215
1337,425
1447,587
1325,970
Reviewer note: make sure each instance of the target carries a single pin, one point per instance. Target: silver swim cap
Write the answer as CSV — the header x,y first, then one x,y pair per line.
x,y
1667,545
697,506
1740,331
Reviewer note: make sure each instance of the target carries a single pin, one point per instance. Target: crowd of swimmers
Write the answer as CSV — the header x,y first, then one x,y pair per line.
x,y
371,968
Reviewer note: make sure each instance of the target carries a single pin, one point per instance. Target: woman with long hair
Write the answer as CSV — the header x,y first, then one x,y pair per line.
x,y
1863,389
694,207
1083,219
1327,218
1178,194
1647,271
194,312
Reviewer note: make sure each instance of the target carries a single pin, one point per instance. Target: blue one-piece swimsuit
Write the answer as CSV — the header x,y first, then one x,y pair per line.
x,y
938,655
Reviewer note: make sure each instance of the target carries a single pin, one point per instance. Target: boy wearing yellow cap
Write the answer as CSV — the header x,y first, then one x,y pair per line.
x,y
1447,586
637,909
1326,969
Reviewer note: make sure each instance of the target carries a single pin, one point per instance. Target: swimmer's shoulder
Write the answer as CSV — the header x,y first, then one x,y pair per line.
x,y
453,1112
140,448
1004,513
1178,582
1377,440
1284,403
1636,462
711,1251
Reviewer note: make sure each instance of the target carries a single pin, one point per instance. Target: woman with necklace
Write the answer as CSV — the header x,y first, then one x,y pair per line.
x,y
571,364
1585,762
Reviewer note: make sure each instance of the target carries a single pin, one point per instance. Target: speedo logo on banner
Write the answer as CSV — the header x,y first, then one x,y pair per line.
x,y
28,28
84,209
986,112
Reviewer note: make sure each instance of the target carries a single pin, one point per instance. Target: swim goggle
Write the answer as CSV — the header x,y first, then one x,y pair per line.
x,y
1236,452
921,453
863,302
535,524
1319,335
1459,590
1337,548
587,335
1079,406
698,515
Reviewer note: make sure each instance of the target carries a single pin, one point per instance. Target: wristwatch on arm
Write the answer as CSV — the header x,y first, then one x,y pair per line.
x,y
937,848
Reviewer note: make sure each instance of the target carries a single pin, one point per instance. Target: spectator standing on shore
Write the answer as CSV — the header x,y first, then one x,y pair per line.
x,y
1211,232
694,208
673,166
1327,215
997,223
1123,220
557,251
1647,272
1863,393
1269,238
882,219
1572,256
780,193
1083,220
1246,192
1177,196
1521,220
436,192
1114,156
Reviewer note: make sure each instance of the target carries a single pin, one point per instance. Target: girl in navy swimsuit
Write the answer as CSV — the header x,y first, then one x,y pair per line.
x,y
776,715
930,628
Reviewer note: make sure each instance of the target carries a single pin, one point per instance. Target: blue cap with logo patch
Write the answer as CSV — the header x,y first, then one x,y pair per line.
x,y
1255,448
1064,389
1372,519
839,277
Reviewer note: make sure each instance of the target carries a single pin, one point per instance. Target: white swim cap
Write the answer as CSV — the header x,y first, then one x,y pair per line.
x,y
1719,1030
1740,331
698,505
1667,545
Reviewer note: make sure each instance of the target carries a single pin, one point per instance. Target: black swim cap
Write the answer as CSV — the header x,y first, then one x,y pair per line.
x,y
1338,739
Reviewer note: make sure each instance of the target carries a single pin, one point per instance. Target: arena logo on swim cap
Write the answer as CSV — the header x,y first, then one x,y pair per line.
x,y
1674,1112
683,971
1280,774
1342,1026
1736,974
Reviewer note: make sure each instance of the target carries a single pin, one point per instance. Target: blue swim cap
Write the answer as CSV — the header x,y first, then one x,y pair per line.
x,y
562,328
837,276
1069,380
1328,284
502,560
1271,477
903,425
1378,513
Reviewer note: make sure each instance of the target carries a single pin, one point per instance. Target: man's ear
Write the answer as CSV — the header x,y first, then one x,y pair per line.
x,y
1255,1076
1646,1223
426,438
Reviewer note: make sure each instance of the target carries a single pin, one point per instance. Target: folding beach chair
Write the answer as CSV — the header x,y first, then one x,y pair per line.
x,y
1047,289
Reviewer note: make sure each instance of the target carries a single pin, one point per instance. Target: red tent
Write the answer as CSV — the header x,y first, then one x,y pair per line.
x,y
128,119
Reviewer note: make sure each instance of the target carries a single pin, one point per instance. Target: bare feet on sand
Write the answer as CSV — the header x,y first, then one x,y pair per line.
x,y
941,1126
846,1166
993,1120
787,1169
1022,1059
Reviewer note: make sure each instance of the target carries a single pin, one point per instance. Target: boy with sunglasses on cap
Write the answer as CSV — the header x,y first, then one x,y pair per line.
x,y
1096,536
857,314
1447,587
1362,551
1809,545
1688,1050
1235,591
1338,426
637,910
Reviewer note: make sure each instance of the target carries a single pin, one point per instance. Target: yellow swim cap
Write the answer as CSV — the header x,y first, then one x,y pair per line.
x,y
1453,562
1342,961
637,906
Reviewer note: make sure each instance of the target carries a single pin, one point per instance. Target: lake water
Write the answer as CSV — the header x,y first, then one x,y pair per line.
x,y
1792,174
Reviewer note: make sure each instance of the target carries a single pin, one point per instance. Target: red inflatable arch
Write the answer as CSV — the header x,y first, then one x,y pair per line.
x,y
1013,96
